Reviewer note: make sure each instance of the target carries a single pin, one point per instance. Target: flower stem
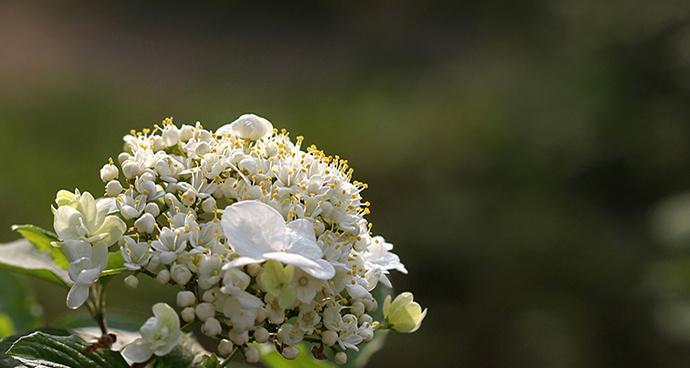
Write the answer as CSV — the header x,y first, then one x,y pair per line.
x,y
227,360
96,305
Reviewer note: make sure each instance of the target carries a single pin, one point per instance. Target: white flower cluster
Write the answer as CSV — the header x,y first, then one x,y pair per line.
x,y
268,241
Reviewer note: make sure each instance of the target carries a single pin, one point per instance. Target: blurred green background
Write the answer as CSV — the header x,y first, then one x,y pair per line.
x,y
517,152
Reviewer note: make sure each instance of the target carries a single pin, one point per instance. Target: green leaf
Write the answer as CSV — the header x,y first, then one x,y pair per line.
x,y
42,239
41,349
10,362
21,256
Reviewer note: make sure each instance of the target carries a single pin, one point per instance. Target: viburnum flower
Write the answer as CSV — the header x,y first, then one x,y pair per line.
x,y
85,230
159,335
257,233
266,240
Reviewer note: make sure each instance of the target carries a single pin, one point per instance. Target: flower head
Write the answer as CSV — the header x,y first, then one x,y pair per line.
x,y
258,233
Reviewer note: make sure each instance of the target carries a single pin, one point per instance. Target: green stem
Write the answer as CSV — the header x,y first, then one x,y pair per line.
x,y
96,305
227,360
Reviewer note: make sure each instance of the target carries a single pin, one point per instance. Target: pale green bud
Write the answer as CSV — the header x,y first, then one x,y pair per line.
x,y
403,314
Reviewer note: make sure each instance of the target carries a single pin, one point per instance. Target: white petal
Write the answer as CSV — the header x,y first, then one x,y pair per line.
x,y
241,261
292,259
304,228
75,249
325,271
357,291
253,228
87,207
304,247
78,265
66,223
167,257
248,301
112,229
99,256
137,351
77,295
106,205
88,276
166,314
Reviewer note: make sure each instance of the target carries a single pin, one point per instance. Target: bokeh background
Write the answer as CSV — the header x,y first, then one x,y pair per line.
x,y
528,159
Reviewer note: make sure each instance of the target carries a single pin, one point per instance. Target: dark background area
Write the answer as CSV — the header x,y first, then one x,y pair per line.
x,y
516,152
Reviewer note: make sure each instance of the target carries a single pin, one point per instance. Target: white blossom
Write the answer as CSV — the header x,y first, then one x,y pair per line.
x,y
257,233
159,335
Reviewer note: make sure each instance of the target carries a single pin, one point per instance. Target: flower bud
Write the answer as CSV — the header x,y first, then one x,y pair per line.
x,y
180,274
209,296
113,188
145,223
248,126
205,311
357,308
208,205
122,157
211,327
154,263
329,337
238,337
261,334
261,315
131,281
109,172
253,269
251,354
225,347
371,305
365,318
187,314
131,169
163,276
290,352
185,298
403,314
153,209
340,358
